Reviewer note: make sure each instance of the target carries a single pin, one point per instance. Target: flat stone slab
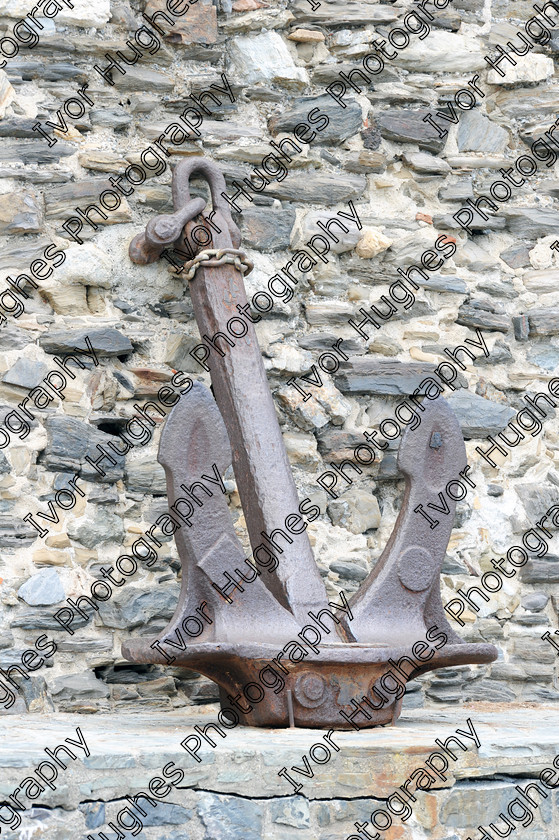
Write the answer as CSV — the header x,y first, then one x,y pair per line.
x,y
515,740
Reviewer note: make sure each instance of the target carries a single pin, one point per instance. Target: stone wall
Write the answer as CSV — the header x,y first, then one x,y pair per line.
x,y
406,182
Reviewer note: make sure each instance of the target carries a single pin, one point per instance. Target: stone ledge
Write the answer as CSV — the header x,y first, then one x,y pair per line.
x,y
236,785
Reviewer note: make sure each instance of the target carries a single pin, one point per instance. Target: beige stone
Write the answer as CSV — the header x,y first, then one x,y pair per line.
x,y
84,556
372,242
306,36
356,510
67,300
58,541
542,282
309,415
99,161
7,93
301,449
46,557
71,133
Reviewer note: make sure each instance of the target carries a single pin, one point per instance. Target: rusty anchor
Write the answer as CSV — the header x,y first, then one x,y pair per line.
x,y
397,603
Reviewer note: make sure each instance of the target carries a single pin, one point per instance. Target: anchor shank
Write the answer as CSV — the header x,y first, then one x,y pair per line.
x,y
263,473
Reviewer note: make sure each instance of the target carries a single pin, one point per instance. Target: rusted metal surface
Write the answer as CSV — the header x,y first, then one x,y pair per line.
x,y
394,606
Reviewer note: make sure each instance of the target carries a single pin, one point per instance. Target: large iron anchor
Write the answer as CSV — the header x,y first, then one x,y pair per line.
x,y
398,602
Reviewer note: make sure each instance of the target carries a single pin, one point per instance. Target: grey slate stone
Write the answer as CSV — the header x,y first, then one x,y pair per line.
x,y
25,373
70,441
78,686
531,222
446,221
34,151
471,315
517,256
537,498
131,607
485,803
145,475
18,128
292,811
443,283
521,327
230,818
267,230
535,601
477,416
105,342
35,619
94,814
62,71
13,657
494,490
499,355
110,118
103,527
365,374
43,589
407,126
543,321
543,570
332,13
545,357
320,342
460,191
14,533
477,133
142,79
496,288
24,216
426,164
167,814
14,338
348,570
313,186
489,691
98,495
344,122
333,439
453,566
60,202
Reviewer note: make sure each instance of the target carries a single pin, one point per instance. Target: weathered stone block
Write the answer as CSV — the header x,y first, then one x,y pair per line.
x,y
407,126
365,374
343,123
19,214
477,416
266,229
265,59
105,342
543,321
199,26
70,441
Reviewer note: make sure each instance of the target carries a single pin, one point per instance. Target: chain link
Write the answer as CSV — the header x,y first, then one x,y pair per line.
x,y
213,257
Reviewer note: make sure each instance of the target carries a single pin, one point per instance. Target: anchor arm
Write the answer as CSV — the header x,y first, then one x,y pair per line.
x,y
401,597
